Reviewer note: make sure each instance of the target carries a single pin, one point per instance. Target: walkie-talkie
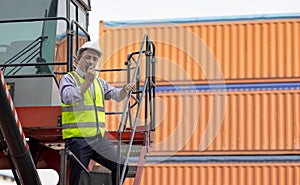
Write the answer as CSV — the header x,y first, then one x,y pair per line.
x,y
87,65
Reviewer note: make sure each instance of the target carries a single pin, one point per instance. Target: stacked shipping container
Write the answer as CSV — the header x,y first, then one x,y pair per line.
x,y
221,174
256,113
245,51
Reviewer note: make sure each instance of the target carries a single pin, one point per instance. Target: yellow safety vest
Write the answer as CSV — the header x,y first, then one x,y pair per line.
x,y
87,117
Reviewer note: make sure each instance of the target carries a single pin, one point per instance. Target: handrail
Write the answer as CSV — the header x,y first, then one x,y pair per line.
x,y
37,19
112,69
146,90
77,34
34,64
133,132
120,178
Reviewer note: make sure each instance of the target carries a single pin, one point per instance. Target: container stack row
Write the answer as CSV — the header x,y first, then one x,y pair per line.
x,y
227,97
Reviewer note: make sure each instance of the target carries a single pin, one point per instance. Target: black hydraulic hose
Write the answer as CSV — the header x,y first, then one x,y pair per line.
x,y
153,84
15,142
12,166
13,169
148,86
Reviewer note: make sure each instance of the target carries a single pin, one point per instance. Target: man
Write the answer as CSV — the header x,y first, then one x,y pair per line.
x,y
83,116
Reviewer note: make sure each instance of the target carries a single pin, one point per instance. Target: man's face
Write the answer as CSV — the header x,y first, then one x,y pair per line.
x,y
88,58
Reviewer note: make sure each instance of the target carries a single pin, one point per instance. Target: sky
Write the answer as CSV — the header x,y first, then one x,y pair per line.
x,y
167,9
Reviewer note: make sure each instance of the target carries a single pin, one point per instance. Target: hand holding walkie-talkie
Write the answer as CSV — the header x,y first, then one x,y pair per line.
x,y
87,65
90,72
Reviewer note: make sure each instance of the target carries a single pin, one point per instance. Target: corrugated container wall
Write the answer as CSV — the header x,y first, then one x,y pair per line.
x,y
255,116
260,121
221,174
61,54
236,122
237,51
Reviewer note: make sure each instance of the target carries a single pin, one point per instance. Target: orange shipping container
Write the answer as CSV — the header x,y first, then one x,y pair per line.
x,y
61,54
194,51
221,174
236,122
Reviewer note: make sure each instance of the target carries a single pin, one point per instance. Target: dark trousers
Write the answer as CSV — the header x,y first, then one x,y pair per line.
x,y
99,149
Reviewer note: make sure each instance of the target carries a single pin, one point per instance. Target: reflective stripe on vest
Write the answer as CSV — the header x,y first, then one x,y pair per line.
x,y
85,118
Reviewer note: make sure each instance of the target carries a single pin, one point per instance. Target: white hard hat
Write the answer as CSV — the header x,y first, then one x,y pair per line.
x,y
93,45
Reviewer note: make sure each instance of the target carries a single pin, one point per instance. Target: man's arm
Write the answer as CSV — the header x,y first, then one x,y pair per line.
x,y
89,78
114,93
69,93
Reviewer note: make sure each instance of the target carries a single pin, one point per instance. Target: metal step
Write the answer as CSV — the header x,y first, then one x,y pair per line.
x,y
132,162
101,169
135,150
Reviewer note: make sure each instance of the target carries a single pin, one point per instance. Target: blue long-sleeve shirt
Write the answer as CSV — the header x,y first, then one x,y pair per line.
x,y
70,93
